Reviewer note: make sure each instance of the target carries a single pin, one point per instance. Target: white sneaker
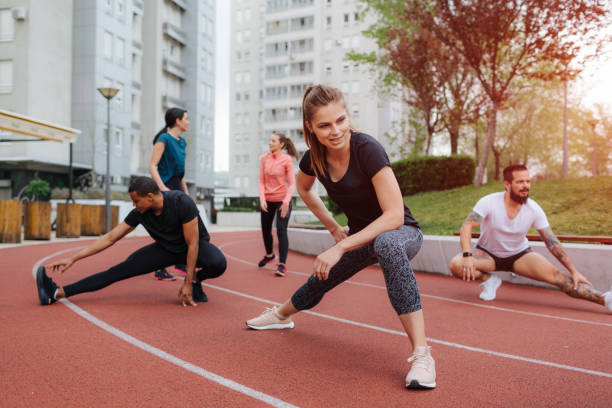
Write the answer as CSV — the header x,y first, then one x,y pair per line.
x,y
608,299
269,320
422,374
489,287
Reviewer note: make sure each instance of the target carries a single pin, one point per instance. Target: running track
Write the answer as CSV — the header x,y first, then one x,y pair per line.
x,y
132,344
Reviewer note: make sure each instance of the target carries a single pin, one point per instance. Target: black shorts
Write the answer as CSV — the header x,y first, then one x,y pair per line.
x,y
506,264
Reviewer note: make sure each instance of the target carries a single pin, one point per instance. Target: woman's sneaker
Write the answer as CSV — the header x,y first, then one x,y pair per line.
x,y
422,374
163,274
608,299
269,319
281,270
265,260
489,287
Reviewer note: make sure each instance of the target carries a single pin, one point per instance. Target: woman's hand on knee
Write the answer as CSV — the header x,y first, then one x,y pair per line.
x,y
325,261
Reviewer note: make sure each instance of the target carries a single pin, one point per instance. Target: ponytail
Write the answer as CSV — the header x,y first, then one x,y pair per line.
x,y
161,132
289,146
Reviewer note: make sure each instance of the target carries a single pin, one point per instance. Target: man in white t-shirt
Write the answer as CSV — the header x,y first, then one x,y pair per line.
x,y
504,219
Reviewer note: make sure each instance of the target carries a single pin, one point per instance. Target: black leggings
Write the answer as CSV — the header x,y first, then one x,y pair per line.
x,y
150,258
274,208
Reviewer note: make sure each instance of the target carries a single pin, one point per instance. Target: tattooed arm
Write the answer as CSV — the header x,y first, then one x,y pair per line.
x,y
555,248
471,222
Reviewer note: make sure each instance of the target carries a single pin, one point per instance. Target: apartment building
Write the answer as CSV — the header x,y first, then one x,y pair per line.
x,y
35,81
157,53
279,47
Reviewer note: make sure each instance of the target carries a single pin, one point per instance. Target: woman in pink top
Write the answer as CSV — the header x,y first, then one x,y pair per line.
x,y
275,173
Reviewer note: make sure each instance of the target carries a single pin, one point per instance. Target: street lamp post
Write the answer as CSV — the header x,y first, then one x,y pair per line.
x,y
593,123
108,93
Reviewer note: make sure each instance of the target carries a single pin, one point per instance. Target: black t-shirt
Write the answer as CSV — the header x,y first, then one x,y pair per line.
x,y
167,228
354,192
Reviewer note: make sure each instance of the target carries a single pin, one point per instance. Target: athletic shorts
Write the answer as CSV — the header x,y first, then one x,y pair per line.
x,y
506,264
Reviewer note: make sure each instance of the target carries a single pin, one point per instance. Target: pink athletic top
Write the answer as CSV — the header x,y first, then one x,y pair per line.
x,y
274,170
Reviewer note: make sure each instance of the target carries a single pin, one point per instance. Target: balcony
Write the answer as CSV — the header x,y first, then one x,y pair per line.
x,y
179,3
175,33
171,101
137,44
174,68
138,7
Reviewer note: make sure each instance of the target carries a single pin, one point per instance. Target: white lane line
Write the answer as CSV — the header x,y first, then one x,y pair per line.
x,y
443,342
445,299
268,399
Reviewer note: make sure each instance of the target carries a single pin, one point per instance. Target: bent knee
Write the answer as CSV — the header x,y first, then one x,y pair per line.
x,y
455,265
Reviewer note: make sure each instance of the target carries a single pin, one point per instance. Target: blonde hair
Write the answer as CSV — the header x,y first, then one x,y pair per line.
x,y
315,97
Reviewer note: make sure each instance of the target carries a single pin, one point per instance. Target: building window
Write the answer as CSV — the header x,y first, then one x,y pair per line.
x,y
328,22
246,96
119,96
118,139
328,45
238,56
346,19
355,41
328,68
237,160
245,181
355,110
6,76
355,87
120,51
108,5
108,45
237,96
120,8
245,159
247,55
7,29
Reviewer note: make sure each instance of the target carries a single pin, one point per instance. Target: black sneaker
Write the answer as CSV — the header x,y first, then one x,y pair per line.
x,y
46,287
281,270
265,260
198,293
163,274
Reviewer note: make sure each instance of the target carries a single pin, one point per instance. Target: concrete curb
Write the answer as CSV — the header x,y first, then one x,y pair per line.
x,y
593,261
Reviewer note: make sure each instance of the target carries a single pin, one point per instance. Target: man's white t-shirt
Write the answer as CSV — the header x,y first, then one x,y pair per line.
x,y
499,234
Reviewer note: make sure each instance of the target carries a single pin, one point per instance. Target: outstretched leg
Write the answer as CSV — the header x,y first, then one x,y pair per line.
x,y
535,266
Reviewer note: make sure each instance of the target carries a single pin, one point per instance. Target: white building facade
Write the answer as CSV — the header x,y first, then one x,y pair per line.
x,y
278,49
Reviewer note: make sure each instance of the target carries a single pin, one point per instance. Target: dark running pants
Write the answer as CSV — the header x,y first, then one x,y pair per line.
x,y
393,250
151,258
274,208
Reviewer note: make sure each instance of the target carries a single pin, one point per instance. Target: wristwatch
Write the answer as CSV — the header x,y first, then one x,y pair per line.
x,y
466,254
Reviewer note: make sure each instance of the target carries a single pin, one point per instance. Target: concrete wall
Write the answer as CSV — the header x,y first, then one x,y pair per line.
x,y
593,261
253,219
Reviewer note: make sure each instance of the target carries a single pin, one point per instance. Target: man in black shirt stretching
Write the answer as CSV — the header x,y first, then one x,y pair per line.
x,y
173,221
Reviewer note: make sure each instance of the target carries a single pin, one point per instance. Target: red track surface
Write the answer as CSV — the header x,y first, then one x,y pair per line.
x,y
53,357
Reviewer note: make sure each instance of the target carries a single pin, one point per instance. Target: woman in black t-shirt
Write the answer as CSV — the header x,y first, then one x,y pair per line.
x,y
354,169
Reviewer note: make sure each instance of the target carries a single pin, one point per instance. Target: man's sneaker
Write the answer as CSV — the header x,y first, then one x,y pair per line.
x,y
264,261
281,270
489,287
270,320
163,274
422,374
608,299
46,287
198,293
182,269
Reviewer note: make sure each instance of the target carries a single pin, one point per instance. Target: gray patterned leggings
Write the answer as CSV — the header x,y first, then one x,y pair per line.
x,y
393,250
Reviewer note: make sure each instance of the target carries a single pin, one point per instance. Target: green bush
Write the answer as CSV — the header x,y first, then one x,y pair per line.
x,y
38,190
248,203
433,173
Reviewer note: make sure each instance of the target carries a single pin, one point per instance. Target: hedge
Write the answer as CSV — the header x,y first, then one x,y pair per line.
x,y
431,173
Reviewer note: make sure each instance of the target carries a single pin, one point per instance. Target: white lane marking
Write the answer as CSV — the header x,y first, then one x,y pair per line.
x,y
445,299
268,399
443,342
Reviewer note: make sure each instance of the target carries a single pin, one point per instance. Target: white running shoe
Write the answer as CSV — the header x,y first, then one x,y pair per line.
x,y
489,287
608,299
422,374
269,320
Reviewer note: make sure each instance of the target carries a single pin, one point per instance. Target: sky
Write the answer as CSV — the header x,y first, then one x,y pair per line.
x,y
594,84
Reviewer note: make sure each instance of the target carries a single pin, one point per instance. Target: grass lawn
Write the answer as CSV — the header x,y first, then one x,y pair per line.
x,y
573,207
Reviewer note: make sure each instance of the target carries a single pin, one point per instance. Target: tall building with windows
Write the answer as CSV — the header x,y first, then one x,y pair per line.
x,y
35,81
158,53
279,47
